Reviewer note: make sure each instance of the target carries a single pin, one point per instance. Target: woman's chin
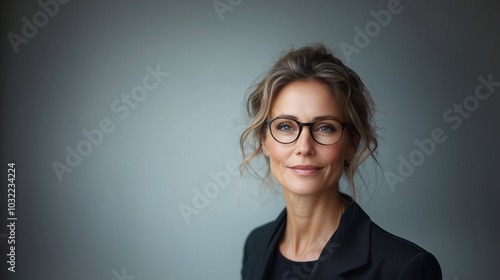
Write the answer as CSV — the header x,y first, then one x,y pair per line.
x,y
304,189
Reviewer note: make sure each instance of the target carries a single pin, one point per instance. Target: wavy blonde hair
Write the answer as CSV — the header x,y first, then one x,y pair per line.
x,y
312,63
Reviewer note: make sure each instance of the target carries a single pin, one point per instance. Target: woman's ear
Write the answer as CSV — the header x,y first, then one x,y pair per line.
x,y
263,144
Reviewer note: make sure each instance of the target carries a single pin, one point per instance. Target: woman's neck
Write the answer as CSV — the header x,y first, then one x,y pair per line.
x,y
311,221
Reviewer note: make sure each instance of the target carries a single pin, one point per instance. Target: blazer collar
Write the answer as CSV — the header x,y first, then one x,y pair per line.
x,y
271,246
347,249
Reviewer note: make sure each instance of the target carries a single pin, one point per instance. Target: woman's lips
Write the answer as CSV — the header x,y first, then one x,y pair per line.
x,y
305,170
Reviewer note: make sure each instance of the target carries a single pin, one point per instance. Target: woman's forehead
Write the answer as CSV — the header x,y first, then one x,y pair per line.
x,y
306,100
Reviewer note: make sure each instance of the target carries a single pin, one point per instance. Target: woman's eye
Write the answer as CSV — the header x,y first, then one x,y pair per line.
x,y
284,127
326,128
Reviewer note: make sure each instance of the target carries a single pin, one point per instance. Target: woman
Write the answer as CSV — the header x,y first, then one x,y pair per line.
x,y
312,120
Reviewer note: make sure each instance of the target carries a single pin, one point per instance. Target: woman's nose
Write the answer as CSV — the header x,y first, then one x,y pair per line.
x,y
305,143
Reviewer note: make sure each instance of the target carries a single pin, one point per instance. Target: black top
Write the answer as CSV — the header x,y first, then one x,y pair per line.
x,y
283,268
359,249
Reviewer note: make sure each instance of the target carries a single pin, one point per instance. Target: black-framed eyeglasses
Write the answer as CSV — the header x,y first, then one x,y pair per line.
x,y
327,131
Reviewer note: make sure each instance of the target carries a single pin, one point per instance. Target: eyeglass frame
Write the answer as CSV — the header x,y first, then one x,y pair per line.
x,y
311,124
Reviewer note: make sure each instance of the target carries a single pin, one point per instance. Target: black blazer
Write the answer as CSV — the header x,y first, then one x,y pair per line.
x,y
359,249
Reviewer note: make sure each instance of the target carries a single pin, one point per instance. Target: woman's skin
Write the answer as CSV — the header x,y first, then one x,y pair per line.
x,y
308,172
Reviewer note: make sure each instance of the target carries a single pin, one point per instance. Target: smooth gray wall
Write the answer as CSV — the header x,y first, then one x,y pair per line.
x,y
117,214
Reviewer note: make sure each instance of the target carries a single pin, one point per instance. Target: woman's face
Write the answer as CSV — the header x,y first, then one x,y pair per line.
x,y
306,167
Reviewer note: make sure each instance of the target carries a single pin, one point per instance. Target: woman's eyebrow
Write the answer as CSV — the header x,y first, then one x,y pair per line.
x,y
287,116
314,119
325,117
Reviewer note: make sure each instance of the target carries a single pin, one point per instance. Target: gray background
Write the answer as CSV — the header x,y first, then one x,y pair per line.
x,y
119,208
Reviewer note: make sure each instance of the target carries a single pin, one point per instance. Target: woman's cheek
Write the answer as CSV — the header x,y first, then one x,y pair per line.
x,y
334,153
278,152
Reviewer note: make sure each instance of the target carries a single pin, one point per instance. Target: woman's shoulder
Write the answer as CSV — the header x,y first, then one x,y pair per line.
x,y
258,245
392,244
388,250
370,250
382,244
261,235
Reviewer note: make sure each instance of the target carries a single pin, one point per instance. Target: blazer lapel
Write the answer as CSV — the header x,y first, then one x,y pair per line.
x,y
263,264
349,246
